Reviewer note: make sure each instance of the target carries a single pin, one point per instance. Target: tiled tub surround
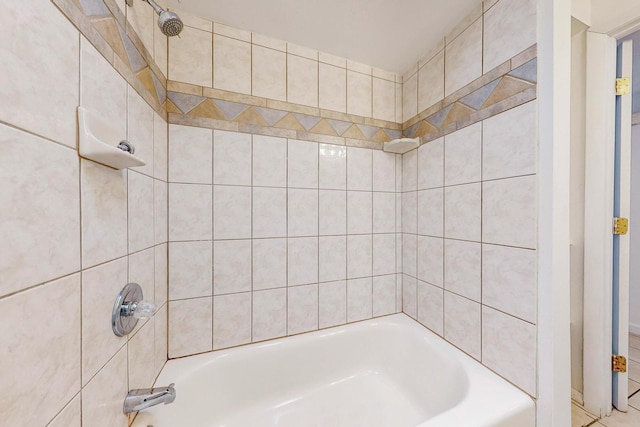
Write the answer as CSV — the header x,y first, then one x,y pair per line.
x,y
74,232
469,227
272,237
129,39
212,55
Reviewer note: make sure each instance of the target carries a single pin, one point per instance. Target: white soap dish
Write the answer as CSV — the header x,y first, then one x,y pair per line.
x,y
98,141
402,145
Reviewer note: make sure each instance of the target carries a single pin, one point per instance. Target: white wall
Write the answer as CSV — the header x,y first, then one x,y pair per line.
x,y
634,291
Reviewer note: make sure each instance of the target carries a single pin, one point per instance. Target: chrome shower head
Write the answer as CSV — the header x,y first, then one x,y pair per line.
x,y
170,24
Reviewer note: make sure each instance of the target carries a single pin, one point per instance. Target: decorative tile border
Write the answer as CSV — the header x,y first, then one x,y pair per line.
x,y
507,86
105,26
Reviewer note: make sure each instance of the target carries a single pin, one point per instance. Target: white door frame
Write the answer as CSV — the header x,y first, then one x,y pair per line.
x,y
598,237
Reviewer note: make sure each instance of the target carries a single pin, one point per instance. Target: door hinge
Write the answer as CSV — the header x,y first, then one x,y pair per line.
x,y
620,225
623,86
619,363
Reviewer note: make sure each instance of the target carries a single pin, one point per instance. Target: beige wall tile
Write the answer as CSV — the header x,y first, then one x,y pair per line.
x,y
102,90
269,314
232,32
190,155
140,130
161,273
70,415
431,164
160,347
159,148
231,158
143,20
269,73
142,271
384,295
463,207
100,285
431,212
463,156
462,323
39,182
431,82
332,297
359,299
302,309
509,144
463,269
231,64
41,357
509,212
333,88
509,348
302,81
509,280
141,353
399,103
49,111
359,67
160,49
302,51
195,21
190,269
410,97
190,212
358,94
104,204
140,208
260,40
102,397
409,296
332,60
231,320
384,99
190,326
190,58
431,307
510,28
431,260
463,58
160,200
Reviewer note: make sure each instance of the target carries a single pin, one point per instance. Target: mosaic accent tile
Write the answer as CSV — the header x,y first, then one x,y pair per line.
x,y
339,126
323,127
528,71
270,116
308,122
94,8
368,131
208,109
476,99
508,86
438,118
184,101
230,109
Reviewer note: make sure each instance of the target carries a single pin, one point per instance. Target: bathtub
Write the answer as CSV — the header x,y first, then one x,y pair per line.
x,y
386,372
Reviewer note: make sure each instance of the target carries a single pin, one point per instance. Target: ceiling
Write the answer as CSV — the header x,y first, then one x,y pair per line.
x,y
388,34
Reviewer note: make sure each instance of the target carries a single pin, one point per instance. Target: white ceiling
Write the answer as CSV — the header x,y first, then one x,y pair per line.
x,y
387,34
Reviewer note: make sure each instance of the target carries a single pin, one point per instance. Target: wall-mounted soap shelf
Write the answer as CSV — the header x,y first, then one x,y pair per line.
x,y
402,145
98,141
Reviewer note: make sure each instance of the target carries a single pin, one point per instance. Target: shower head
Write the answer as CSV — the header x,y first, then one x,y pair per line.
x,y
170,24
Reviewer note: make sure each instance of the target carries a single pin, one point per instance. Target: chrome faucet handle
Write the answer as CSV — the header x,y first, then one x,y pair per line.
x,y
137,400
128,308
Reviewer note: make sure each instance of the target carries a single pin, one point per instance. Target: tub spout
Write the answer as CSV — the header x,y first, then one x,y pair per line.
x,y
140,399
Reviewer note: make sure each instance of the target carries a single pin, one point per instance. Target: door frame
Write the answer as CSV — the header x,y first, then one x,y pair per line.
x,y
598,236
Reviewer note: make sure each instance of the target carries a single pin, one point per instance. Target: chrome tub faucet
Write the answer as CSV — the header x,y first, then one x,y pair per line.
x,y
144,398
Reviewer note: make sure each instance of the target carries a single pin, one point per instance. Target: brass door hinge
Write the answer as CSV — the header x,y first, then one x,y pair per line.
x,y
620,225
623,86
619,363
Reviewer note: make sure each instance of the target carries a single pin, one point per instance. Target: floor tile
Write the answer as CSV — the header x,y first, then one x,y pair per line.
x,y
621,419
579,417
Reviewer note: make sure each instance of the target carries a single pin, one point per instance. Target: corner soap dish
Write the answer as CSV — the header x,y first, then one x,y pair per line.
x,y
401,146
92,132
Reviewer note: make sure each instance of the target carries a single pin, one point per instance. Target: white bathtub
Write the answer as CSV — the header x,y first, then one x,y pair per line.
x,y
387,372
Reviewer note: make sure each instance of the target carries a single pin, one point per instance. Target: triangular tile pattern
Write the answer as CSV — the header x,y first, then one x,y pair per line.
x,y
270,115
498,90
308,122
93,8
184,101
230,109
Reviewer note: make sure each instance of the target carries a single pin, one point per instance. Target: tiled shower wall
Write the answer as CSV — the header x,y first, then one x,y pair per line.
x,y
73,232
469,208
272,237
213,55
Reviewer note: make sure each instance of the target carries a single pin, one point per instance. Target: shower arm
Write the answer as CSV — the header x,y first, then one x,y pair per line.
x,y
153,4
